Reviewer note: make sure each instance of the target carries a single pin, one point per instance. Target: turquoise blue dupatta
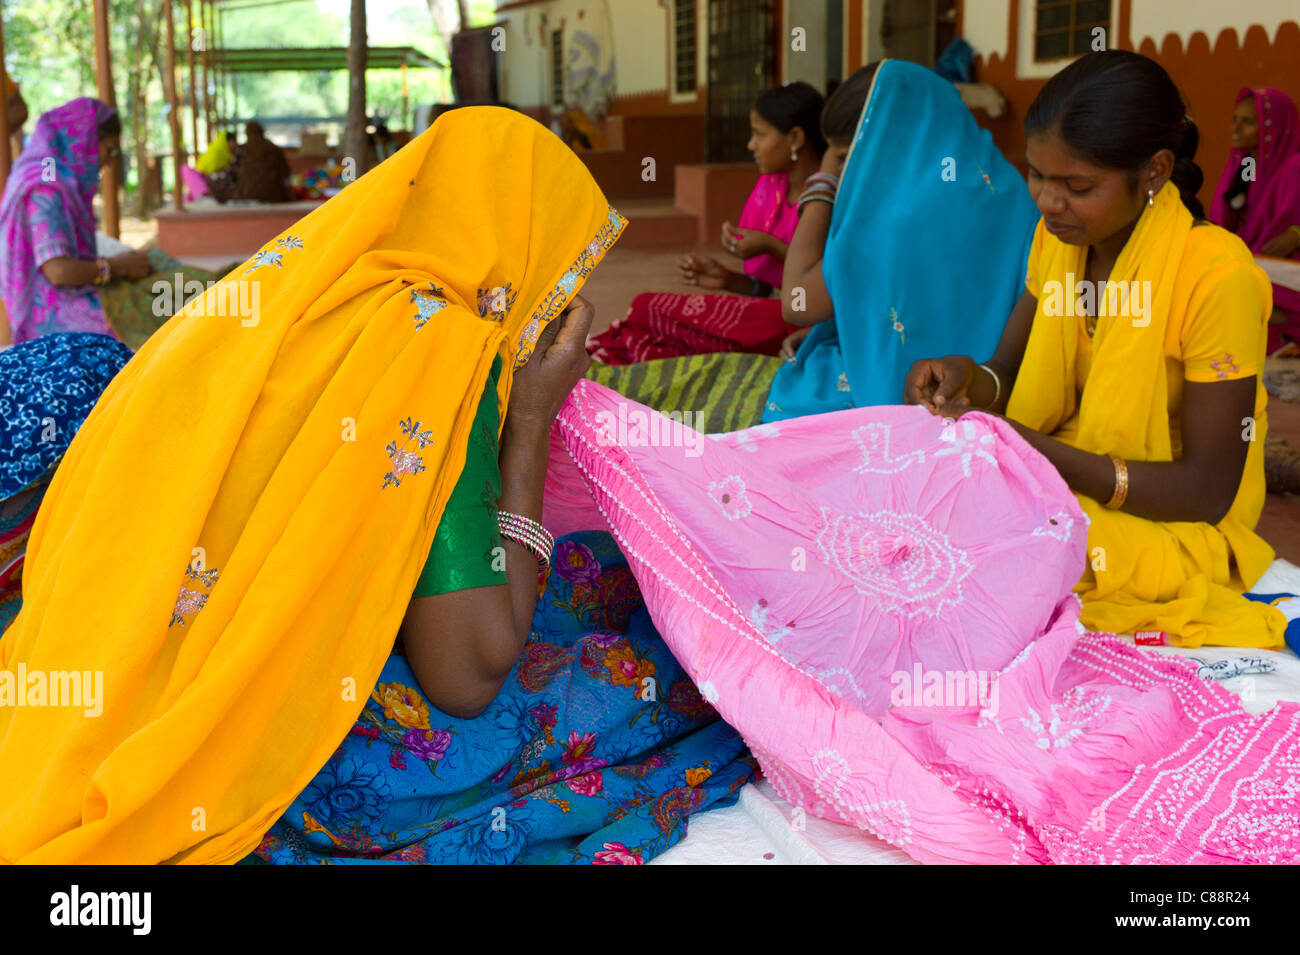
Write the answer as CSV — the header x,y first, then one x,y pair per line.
x,y
926,252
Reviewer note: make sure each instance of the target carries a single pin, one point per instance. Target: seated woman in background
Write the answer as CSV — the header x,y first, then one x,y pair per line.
x,y
787,146
49,270
1258,196
1144,392
219,166
921,177
263,173
930,228
364,463
52,278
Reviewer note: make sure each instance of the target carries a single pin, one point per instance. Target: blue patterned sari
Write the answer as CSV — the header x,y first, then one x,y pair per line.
x,y
595,751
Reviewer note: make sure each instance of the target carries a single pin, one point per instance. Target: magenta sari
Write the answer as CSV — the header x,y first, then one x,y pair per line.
x,y
1273,204
767,210
47,213
671,324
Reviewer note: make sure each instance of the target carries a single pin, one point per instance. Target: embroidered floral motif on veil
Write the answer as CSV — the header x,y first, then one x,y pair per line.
x,y
406,461
429,302
275,255
556,299
495,303
190,602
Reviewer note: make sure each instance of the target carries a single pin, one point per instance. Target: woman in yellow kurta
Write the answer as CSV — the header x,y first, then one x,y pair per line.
x,y
1132,361
234,536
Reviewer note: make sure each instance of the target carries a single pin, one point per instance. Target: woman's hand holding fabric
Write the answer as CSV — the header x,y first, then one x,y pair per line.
x,y
558,362
940,384
792,341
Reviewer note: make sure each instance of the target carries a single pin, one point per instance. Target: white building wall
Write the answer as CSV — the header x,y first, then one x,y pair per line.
x,y
984,26
1154,19
808,64
640,40
641,45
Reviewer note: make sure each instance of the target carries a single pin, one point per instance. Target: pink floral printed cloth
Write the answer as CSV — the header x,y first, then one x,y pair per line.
x,y
880,602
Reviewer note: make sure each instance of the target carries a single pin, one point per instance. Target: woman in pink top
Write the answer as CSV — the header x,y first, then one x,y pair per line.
x,y
788,147
1258,196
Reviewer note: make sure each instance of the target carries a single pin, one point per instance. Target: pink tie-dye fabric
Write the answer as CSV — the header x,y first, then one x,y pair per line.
x,y
814,575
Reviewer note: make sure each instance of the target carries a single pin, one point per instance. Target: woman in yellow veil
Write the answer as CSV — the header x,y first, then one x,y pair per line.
x,y
233,538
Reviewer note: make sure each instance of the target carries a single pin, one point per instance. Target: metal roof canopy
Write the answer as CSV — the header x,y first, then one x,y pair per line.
x,y
312,59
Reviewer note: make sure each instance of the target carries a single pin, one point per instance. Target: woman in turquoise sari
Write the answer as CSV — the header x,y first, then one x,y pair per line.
x,y
928,245
925,240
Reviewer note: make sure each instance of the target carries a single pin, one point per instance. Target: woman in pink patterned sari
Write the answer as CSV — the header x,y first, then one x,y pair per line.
x,y
49,269
788,147
1258,196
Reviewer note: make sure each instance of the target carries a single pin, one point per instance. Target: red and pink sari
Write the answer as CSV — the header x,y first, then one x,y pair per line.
x,y
881,603
671,324
1273,204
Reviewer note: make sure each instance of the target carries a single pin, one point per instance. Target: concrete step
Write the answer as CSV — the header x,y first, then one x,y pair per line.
x,y
655,223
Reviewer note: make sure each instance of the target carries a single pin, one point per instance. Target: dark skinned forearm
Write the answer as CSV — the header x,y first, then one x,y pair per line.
x,y
1200,486
524,455
803,267
65,271
462,645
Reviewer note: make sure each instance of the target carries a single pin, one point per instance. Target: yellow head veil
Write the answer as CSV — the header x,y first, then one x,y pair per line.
x,y
216,157
232,539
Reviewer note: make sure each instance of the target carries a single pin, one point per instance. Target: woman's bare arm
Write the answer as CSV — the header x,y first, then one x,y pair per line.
x,y
462,645
67,271
804,299
1200,486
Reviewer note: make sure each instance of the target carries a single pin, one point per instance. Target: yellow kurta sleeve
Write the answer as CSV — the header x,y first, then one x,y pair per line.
x,y
1224,333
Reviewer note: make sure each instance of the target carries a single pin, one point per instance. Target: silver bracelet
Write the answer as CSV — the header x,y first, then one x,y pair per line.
x,y
528,534
997,386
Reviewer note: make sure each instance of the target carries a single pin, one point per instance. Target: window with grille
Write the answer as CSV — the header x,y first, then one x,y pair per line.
x,y
684,73
1064,27
557,68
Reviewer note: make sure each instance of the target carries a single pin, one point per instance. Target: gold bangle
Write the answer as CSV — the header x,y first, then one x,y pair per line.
x,y
1121,484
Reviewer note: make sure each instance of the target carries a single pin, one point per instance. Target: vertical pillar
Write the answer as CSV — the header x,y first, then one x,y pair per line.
x,y
104,80
173,108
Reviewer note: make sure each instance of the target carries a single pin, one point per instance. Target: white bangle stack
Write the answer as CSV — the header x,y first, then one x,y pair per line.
x,y
528,534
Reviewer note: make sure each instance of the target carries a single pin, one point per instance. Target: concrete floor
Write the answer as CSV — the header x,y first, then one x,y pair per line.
x,y
626,273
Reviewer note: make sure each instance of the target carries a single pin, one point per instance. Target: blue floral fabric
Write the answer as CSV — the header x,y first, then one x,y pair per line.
x,y
595,751
47,388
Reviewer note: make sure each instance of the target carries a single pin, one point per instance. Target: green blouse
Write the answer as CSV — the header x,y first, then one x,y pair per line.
x,y
467,546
